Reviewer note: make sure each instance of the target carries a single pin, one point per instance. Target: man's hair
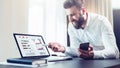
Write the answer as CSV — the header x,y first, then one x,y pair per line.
x,y
70,3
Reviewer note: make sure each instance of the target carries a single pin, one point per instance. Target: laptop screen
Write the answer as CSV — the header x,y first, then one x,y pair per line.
x,y
31,45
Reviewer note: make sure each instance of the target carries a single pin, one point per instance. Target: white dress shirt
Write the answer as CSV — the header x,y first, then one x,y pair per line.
x,y
99,33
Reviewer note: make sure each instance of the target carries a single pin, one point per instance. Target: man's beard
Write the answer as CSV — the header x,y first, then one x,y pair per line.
x,y
79,23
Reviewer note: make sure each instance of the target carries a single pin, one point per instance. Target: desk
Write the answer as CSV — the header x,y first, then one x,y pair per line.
x,y
76,63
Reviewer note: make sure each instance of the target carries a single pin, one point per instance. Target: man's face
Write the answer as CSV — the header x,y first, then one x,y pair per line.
x,y
75,16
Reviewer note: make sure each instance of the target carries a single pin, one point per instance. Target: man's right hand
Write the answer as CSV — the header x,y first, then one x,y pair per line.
x,y
56,47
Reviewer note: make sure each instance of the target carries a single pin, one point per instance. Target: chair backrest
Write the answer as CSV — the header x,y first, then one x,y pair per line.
x,y
116,23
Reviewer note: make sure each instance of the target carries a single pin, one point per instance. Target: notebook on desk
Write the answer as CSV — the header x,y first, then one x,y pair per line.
x,y
33,47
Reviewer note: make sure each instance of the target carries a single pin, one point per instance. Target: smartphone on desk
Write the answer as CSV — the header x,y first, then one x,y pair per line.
x,y
84,46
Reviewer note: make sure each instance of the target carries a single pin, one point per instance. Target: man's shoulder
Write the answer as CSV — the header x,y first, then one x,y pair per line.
x,y
95,16
71,29
70,26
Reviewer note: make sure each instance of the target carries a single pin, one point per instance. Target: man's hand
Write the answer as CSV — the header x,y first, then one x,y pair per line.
x,y
56,47
86,54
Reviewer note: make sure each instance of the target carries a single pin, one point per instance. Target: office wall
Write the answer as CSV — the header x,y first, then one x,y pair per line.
x,y
13,18
102,7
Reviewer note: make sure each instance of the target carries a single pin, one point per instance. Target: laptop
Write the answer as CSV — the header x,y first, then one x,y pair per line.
x,y
33,47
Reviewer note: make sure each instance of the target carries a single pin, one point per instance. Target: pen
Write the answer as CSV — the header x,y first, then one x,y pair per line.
x,y
58,55
54,55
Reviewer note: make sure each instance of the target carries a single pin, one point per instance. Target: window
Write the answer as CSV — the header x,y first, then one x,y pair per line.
x,y
48,18
36,16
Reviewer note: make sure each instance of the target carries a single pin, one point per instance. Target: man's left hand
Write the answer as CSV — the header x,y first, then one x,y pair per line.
x,y
86,54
